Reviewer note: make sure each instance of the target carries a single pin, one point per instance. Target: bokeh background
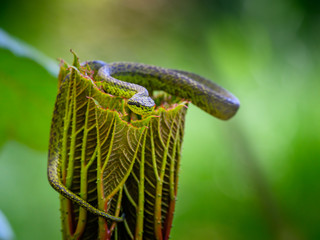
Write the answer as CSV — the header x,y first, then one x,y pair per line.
x,y
253,177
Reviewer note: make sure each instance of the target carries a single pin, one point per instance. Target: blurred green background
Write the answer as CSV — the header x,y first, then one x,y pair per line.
x,y
253,177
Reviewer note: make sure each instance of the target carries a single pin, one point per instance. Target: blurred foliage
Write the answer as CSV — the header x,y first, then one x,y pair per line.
x,y
254,177
27,94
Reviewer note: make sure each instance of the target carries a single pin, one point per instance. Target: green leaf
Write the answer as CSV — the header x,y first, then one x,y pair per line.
x,y
116,164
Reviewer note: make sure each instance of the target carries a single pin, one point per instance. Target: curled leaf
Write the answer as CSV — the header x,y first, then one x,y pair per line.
x,y
114,160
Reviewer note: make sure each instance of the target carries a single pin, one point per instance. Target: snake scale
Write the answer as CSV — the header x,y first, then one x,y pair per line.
x,y
136,78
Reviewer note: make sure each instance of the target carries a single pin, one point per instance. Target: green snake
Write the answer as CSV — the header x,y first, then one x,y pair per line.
x,y
200,91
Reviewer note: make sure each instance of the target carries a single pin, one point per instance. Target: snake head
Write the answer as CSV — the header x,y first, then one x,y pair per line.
x,y
140,104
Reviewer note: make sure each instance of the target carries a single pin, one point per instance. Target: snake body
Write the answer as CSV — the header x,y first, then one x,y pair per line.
x,y
202,92
55,182
135,79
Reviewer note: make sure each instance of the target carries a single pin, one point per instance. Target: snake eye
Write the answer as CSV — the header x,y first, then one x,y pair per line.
x,y
134,103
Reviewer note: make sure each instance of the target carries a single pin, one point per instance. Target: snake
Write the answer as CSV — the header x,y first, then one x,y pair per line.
x,y
131,80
